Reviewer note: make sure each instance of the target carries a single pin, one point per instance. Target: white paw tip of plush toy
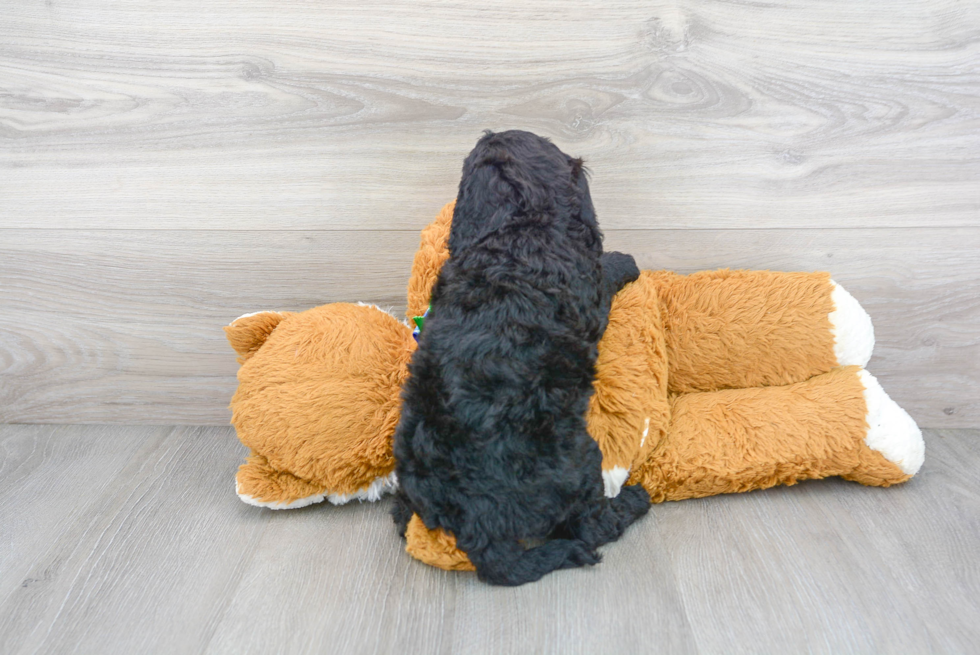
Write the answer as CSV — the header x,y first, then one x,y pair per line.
x,y
854,336
293,504
891,431
613,479
374,491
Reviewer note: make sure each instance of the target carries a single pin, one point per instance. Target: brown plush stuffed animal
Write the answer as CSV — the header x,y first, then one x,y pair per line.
x,y
710,383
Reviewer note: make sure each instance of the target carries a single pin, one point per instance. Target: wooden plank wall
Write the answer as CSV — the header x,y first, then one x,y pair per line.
x,y
167,166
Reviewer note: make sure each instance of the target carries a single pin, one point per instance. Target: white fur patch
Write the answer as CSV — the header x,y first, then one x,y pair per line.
x,y
372,492
294,504
646,431
854,336
891,431
613,480
389,312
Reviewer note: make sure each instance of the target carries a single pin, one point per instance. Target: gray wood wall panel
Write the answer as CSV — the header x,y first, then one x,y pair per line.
x,y
292,150
125,326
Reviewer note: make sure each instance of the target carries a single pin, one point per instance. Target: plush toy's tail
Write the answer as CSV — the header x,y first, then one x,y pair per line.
x,y
247,333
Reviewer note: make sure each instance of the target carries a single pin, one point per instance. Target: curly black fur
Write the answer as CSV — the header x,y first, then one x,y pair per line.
x,y
492,445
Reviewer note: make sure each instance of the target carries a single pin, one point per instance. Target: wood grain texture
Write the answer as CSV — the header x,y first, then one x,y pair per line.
x,y
143,547
63,471
152,560
285,115
167,166
834,567
125,326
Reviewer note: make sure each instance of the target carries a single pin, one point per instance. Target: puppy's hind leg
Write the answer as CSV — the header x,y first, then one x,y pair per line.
x,y
507,563
607,520
401,512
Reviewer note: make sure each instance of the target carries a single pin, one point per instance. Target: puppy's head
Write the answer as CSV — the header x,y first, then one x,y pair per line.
x,y
514,177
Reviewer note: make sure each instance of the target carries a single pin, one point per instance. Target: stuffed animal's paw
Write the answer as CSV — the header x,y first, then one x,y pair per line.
x,y
258,484
435,547
891,431
854,336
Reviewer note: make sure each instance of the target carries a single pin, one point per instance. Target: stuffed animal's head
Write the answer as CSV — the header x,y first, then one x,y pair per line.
x,y
317,403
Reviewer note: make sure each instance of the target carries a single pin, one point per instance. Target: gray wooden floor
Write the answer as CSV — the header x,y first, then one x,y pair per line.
x,y
119,539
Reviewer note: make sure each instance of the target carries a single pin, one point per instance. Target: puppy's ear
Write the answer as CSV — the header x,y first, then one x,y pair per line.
x,y
488,194
586,229
529,196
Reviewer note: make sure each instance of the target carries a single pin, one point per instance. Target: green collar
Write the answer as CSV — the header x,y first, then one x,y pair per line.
x,y
420,322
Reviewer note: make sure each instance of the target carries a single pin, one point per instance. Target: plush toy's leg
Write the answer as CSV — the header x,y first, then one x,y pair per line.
x,y
839,423
259,484
891,432
629,411
737,329
435,547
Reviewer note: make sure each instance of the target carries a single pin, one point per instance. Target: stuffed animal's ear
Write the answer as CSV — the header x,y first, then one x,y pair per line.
x,y
246,334
432,253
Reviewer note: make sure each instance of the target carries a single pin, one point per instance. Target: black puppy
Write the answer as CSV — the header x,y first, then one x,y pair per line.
x,y
492,445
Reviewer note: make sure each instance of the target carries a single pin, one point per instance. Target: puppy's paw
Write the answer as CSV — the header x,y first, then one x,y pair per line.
x,y
619,268
634,502
579,554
